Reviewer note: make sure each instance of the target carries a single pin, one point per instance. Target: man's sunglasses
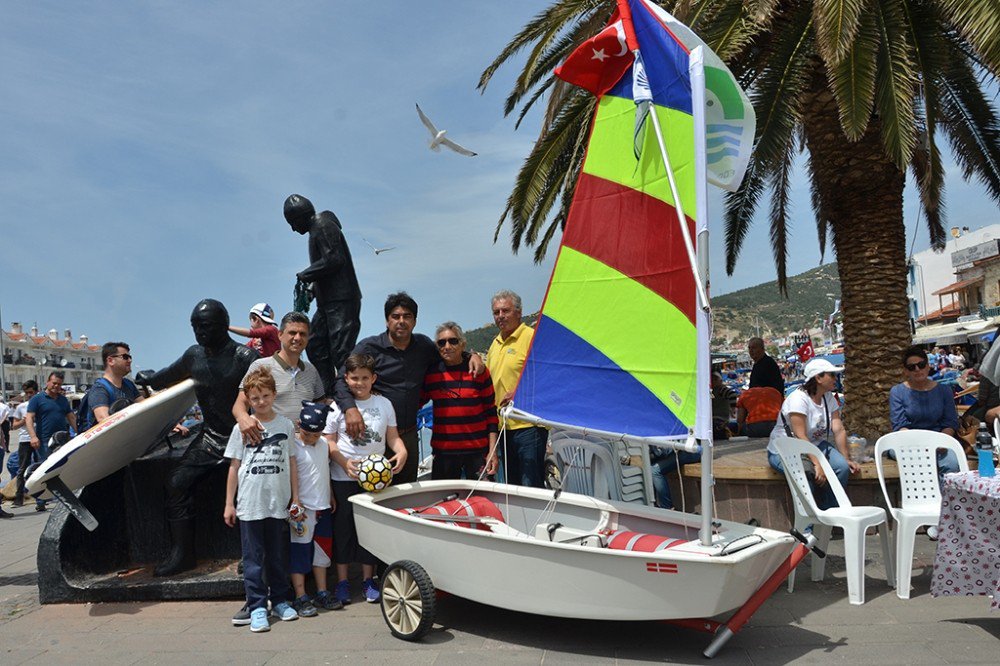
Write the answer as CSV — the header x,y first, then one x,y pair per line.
x,y
919,365
443,342
125,357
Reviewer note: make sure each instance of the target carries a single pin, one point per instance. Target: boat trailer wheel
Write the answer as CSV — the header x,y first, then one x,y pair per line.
x,y
407,600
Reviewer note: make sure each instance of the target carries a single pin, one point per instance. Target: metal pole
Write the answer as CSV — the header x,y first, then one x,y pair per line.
x,y
3,363
703,318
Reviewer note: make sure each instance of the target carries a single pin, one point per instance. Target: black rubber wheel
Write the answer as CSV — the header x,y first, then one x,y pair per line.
x,y
407,600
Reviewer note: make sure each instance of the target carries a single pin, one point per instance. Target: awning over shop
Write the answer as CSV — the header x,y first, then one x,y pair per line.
x,y
957,286
953,334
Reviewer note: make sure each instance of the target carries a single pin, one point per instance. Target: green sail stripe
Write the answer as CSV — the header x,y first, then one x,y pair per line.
x,y
610,154
631,325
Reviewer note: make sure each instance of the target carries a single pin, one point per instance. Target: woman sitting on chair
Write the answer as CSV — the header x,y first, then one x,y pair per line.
x,y
812,413
920,403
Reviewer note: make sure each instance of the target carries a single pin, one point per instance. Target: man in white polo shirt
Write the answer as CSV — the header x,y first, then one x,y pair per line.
x,y
296,379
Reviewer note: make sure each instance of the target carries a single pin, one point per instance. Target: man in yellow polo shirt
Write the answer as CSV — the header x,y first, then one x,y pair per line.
x,y
522,446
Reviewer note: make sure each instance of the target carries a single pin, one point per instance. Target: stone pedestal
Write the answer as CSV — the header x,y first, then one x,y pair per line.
x,y
115,562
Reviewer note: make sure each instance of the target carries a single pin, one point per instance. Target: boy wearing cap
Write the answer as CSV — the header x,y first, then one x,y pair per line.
x,y
312,533
263,331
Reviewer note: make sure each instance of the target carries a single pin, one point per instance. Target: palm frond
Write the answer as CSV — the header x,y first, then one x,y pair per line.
x,y
978,21
779,218
740,208
973,128
557,16
778,90
852,76
838,23
538,69
897,84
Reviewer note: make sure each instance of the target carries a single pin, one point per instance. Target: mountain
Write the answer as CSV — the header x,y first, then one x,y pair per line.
x,y
738,314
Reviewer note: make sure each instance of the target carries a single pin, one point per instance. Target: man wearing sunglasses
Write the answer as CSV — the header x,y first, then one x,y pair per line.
x,y
113,385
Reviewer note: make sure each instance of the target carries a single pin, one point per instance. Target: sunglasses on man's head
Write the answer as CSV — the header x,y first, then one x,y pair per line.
x,y
443,342
919,365
124,357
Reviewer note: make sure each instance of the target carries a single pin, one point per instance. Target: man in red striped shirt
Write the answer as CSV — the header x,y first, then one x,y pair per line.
x,y
465,416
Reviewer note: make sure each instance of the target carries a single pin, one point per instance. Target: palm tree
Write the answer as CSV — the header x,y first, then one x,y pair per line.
x,y
864,88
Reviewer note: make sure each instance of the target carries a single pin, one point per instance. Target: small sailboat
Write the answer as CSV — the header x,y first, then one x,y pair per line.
x,y
620,355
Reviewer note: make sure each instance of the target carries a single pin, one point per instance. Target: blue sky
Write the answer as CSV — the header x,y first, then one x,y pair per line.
x,y
147,149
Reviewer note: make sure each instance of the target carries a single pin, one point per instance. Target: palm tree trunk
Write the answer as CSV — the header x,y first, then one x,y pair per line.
x,y
861,196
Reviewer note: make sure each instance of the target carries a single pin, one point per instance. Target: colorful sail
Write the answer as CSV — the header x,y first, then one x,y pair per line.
x,y
616,346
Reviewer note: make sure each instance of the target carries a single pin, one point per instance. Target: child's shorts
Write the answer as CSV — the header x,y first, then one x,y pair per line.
x,y
315,546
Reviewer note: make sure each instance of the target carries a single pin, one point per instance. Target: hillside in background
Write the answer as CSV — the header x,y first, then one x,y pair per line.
x,y
811,297
739,314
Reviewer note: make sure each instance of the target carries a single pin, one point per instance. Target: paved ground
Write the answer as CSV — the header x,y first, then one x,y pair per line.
x,y
815,624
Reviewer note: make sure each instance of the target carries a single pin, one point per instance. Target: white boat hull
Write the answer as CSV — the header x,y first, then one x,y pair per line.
x,y
533,575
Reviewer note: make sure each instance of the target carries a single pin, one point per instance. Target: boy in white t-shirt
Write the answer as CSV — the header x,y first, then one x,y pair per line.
x,y
267,481
380,428
312,534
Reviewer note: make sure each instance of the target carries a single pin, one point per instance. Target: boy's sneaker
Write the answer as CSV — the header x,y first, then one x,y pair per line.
x,y
326,601
284,612
242,617
372,594
258,621
304,607
343,592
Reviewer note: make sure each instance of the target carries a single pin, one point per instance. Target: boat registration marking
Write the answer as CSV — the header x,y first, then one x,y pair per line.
x,y
661,567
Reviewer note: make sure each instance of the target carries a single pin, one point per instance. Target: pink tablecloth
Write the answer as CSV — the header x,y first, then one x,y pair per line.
x,y
968,553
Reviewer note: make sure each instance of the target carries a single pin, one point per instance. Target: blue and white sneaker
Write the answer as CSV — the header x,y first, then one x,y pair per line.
x,y
343,592
372,594
284,612
258,620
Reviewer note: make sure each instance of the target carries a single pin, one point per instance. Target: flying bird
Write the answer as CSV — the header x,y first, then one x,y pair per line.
x,y
378,250
438,137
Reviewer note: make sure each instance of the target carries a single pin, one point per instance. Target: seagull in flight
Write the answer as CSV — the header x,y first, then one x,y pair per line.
x,y
438,137
378,250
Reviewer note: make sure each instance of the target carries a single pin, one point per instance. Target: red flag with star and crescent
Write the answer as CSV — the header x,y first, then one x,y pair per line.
x,y
806,351
599,63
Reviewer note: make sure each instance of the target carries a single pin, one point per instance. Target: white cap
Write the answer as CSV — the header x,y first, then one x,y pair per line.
x,y
818,365
264,311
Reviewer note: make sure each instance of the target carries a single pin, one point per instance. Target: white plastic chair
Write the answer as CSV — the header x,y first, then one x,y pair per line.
x,y
920,496
854,520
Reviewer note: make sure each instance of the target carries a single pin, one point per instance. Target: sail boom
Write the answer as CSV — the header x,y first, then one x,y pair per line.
x,y
682,442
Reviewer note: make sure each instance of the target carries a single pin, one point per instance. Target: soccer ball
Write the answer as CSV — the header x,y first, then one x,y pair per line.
x,y
374,473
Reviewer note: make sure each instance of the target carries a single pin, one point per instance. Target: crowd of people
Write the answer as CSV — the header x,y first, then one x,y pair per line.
x,y
294,517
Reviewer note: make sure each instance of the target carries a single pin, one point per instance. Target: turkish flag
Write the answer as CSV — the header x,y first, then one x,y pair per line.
x,y
806,351
599,62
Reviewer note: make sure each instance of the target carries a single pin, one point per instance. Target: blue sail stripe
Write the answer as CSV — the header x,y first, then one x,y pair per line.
x,y
566,380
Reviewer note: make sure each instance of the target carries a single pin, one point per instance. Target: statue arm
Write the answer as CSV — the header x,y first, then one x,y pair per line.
x,y
329,246
177,371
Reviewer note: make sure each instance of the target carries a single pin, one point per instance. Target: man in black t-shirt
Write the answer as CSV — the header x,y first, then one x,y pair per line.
x,y
765,370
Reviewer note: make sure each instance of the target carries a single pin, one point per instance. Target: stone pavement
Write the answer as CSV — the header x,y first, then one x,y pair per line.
x,y
815,624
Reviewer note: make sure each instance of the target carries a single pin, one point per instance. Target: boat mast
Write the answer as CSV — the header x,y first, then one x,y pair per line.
x,y
703,413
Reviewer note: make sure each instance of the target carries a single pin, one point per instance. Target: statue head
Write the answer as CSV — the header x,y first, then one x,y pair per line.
x,y
299,213
210,322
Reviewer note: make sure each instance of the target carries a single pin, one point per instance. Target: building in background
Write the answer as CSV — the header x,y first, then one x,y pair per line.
x,y
33,356
944,286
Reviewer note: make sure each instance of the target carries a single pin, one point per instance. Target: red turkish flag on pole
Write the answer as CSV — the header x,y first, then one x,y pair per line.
x,y
806,351
598,63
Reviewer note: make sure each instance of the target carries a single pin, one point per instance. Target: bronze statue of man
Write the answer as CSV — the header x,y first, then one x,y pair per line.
x,y
217,364
337,322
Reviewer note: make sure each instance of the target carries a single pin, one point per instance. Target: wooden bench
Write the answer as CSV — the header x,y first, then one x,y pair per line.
x,y
747,487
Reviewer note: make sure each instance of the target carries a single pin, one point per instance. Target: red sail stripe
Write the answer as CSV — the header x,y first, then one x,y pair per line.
x,y
636,235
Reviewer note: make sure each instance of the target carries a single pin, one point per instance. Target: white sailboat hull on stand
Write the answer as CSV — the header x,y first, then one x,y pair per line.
x,y
515,566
